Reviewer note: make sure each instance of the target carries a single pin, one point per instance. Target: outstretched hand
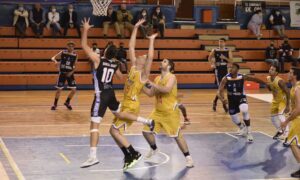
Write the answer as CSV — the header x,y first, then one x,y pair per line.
x,y
153,36
140,22
86,24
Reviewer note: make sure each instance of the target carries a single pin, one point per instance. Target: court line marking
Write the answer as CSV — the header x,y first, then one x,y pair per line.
x,y
3,174
11,160
65,158
231,135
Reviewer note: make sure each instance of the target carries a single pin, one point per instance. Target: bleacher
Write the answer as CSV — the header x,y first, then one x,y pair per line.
x,y
25,62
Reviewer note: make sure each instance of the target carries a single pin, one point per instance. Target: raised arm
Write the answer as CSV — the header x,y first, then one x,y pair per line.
x,y
150,56
88,51
221,90
286,91
165,89
132,42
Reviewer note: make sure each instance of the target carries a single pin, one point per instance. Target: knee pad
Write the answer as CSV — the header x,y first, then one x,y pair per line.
x,y
94,130
235,118
243,107
96,119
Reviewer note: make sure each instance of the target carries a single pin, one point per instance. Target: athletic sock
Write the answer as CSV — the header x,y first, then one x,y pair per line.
x,y
186,154
93,152
154,147
144,120
125,151
68,100
247,123
55,102
131,150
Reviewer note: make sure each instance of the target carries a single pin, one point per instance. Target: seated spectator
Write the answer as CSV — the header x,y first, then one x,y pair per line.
x,y
255,23
70,20
122,57
21,20
286,54
124,19
53,21
158,21
111,19
37,20
277,21
146,26
271,54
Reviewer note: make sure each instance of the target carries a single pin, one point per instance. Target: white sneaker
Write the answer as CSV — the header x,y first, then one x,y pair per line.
x,y
90,162
242,131
250,138
189,162
151,153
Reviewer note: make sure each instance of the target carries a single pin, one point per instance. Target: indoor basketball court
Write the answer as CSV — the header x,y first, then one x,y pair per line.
x,y
40,139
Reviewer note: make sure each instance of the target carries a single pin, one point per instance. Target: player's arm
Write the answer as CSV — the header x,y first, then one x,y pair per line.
x,y
88,50
295,112
211,58
150,56
149,91
221,90
230,58
55,56
132,42
253,79
286,91
165,89
74,67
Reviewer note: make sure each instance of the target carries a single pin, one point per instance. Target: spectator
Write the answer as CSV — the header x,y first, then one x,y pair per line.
x,y
53,21
122,57
146,26
277,21
255,23
37,20
70,20
271,54
21,20
158,21
111,19
124,19
286,54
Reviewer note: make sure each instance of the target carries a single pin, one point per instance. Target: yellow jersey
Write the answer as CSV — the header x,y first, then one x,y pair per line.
x,y
133,87
293,97
278,93
165,102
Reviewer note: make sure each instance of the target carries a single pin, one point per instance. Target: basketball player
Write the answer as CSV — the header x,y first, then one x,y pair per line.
x,y
281,99
166,112
293,138
104,70
68,59
220,58
237,99
137,77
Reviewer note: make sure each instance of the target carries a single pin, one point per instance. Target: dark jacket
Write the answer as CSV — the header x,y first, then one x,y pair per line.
x,y
271,52
112,19
66,17
147,18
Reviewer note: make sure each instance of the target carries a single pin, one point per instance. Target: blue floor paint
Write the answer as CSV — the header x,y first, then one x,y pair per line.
x,y
216,156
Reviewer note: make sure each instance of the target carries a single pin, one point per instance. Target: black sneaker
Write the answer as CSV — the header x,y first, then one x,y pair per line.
x,y
277,135
68,105
53,108
135,159
296,174
127,160
152,125
214,106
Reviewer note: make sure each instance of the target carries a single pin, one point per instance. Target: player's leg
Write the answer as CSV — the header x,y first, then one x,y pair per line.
x,y
72,86
246,117
184,113
150,138
234,114
215,101
184,149
296,152
59,86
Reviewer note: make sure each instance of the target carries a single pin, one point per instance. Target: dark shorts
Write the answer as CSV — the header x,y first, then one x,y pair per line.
x,y
103,100
235,102
219,76
62,78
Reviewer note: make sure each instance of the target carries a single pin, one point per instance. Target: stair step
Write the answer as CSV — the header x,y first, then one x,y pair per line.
x,y
237,59
211,47
233,26
213,37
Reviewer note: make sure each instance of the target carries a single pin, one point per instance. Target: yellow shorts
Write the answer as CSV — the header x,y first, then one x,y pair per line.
x,y
133,108
277,108
294,134
169,122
